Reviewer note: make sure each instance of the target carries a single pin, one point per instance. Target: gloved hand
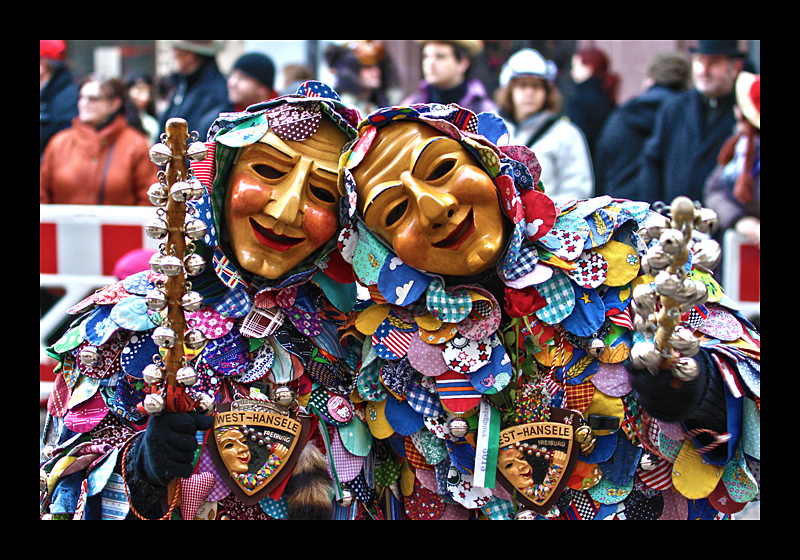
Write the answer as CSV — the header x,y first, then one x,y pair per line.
x,y
664,400
166,451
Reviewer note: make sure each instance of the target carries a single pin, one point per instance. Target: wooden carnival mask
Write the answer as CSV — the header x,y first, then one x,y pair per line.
x,y
424,194
282,199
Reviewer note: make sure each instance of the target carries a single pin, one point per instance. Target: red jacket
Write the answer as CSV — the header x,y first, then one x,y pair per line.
x,y
82,165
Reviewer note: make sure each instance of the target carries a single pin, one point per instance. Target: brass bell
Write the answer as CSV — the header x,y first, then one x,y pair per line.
x,y
156,229
181,191
191,301
171,265
196,151
164,337
596,347
347,498
153,404
205,403
194,264
89,356
194,339
458,427
686,369
186,376
156,300
525,514
584,435
152,374
194,229
283,395
157,193
160,154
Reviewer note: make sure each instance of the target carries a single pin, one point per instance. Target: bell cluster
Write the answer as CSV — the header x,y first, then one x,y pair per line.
x,y
679,229
158,300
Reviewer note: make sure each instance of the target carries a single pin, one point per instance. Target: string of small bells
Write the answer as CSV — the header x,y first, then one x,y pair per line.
x,y
183,190
682,227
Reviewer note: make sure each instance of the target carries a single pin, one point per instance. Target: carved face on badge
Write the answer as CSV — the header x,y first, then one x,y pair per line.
x,y
282,200
424,194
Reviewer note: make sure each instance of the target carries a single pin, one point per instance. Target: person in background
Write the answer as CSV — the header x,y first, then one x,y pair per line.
x,y
530,104
142,106
616,160
445,69
100,159
595,94
251,81
365,75
58,93
691,128
294,75
733,189
201,91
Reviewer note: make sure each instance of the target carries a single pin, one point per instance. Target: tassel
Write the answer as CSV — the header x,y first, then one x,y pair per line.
x,y
310,488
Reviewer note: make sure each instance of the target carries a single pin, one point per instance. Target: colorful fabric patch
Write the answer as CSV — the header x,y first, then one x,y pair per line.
x,y
450,306
560,298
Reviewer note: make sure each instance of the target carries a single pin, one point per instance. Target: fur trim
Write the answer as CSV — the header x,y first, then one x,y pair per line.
x,y
310,488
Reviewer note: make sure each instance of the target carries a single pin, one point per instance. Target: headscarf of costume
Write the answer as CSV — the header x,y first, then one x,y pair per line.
x,y
291,117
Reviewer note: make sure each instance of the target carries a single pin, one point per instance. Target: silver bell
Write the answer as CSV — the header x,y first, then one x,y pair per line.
x,y
153,404
194,264
525,515
347,498
205,403
596,347
706,220
186,376
171,265
706,254
644,355
668,284
194,229
194,339
644,324
89,356
160,154
458,427
656,259
196,151
157,193
684,341
283,395
197,188
181,191
155,262
686,369
672,241
152,374
156,229
164,337
191,301
156,300
648,462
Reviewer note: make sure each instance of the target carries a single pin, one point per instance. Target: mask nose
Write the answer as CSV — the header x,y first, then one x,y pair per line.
x,y
287,198
435,207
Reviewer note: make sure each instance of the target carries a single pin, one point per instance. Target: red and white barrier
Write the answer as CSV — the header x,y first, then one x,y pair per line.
x,y
78,248
741,272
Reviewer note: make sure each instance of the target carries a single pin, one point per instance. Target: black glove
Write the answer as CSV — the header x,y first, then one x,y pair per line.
x,y
166,451
700,402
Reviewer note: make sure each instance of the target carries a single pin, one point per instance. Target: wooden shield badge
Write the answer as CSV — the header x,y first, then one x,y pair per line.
x,y
257,446
536,460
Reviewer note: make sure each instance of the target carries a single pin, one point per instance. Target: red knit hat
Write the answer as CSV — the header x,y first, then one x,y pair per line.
x,y
52,50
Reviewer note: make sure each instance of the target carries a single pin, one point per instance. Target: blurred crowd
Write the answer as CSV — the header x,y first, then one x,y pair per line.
x,y
694,129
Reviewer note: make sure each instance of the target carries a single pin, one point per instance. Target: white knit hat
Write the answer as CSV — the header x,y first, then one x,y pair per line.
x,y
528,62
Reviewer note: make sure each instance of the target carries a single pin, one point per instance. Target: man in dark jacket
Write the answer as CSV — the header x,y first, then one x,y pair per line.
x,y
691,128
623,136
201,91
58,93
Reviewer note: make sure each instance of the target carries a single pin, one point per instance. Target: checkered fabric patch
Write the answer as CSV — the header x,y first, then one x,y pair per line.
x,y
450,307
579,397
560,297
421,400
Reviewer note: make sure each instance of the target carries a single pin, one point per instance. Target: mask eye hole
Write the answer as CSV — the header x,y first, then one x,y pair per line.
x,y
441,170
268,172
323,195
396,213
